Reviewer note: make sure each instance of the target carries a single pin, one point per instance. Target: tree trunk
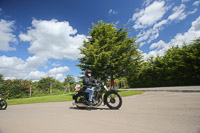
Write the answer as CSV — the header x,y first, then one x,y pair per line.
x,y
68,86
112,81
50,88
30,90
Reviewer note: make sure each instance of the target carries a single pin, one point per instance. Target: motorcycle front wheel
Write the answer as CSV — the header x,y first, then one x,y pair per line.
x,y
114,100
3,104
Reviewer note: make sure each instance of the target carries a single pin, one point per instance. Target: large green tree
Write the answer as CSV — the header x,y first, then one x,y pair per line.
x,y
46,85
69,79
180,65
108,52
16,88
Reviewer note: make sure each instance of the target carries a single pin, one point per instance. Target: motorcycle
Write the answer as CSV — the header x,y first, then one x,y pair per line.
x,y
3,103
102,94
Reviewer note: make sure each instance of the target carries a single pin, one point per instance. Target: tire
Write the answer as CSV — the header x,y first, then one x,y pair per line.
x,y
113,100
80,98
3,104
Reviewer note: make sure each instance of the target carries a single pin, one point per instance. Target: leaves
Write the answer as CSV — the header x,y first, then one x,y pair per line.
x,y
179,66
108,52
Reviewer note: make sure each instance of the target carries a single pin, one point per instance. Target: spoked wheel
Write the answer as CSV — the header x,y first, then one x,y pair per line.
x,y
80,98
3,104
114,100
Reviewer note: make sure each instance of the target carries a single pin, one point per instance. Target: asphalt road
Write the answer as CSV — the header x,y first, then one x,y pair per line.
x,y
151,112
170,89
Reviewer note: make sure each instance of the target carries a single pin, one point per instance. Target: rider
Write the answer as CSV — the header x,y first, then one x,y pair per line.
x,y
88,83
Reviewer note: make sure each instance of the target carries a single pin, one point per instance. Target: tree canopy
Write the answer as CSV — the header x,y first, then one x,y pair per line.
x,y
178,66
108,52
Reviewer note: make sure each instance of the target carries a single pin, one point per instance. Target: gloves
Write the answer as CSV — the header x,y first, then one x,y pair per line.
x,y
93,84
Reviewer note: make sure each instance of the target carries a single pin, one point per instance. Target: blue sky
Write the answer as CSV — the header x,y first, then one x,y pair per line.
x,y
40,38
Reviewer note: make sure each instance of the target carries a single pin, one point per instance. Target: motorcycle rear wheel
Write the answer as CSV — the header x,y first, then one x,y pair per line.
x,y
113,100
3,104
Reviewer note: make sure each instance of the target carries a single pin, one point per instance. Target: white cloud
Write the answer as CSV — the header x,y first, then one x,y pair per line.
x,y
149,35
143,36
9,62
17,68
25,37
111,11
56,73
192,12
196,3
185,1
156,53
178,13
6,35
36,75
146,2
158,45
150,19
54,64
150,15
192,34
53,39
58,70
116,23
161,23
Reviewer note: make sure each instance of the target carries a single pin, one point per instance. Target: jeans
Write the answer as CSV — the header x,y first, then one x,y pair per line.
x,y
91,92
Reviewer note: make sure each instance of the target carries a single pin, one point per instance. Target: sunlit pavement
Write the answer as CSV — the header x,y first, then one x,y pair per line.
x,y
150,112
170,89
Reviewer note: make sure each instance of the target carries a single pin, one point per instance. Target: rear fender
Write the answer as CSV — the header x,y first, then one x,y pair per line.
x,y
85,94
74,96
78,93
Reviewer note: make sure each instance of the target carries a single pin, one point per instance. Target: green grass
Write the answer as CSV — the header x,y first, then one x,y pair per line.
x,y
43,99
58,98
129,93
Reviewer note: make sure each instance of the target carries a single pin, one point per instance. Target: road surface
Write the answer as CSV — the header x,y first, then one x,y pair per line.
x,y
150,112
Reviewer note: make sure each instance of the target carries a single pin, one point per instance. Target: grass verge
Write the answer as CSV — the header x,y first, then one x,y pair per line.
x,y
129,93
58,98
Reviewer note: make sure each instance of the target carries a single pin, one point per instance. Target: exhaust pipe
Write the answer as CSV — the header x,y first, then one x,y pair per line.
x,y
82,105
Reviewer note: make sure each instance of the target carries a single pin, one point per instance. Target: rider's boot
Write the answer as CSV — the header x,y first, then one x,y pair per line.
x,y
90,103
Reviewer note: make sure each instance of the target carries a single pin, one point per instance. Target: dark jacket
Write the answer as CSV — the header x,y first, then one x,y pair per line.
x,y
88,82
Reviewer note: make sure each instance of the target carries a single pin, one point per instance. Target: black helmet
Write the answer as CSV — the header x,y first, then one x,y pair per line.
x,y
87,71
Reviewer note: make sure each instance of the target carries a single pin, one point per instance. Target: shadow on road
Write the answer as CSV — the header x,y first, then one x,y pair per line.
x,y
90,108
1,131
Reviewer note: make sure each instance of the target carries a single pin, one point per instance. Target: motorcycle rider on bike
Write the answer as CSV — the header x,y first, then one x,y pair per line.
x,y
89,83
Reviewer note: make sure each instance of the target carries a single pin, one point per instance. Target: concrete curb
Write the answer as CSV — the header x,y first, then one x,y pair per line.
x,y
187,89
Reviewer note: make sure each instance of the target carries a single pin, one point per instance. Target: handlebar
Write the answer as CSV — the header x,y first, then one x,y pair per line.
x,y
97,83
